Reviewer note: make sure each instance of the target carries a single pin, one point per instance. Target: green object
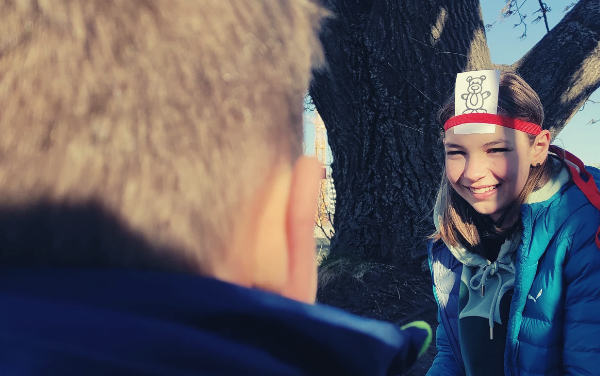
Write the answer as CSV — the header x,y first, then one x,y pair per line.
x,y
424,326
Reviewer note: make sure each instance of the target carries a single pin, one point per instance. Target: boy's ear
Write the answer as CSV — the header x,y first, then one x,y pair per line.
x,y
300,219
540,148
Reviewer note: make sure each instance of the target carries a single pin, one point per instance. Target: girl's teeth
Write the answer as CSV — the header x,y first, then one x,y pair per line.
x,y
482,190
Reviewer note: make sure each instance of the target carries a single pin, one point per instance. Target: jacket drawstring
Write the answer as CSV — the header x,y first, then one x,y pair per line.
x,y
483,274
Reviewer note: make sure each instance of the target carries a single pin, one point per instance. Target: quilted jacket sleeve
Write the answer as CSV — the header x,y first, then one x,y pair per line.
x,y
581,352
444,363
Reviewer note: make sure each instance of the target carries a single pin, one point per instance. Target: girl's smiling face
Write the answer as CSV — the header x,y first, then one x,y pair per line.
x,y
490,170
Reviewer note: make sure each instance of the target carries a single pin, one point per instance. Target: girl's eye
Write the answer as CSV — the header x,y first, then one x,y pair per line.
x,y
454,152
498,150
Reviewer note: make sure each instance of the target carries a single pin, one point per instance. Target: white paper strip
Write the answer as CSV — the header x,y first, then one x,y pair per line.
x,y
470,128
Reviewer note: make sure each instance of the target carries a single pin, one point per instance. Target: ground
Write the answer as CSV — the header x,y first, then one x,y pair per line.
x,y
383,292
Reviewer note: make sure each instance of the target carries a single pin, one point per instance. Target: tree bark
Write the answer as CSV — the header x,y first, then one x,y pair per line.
x,y
390,66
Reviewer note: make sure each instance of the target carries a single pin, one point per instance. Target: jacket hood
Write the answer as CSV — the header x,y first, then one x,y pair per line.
x,y
92,322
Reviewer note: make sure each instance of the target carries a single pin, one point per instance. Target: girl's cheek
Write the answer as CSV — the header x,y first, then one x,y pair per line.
x,y
502,166
454,170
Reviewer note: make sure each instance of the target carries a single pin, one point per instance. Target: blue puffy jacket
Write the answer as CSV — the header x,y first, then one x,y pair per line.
x,y
554,322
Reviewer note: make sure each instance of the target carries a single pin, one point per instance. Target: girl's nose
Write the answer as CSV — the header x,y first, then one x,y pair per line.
x,y
475,169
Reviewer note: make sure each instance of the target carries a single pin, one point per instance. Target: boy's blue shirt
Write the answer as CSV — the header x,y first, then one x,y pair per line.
x,y
125,322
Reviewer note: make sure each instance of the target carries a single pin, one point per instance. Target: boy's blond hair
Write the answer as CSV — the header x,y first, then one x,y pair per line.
x,y
167,114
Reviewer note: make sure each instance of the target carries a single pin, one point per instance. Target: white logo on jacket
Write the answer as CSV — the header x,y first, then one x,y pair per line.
x,y
536,298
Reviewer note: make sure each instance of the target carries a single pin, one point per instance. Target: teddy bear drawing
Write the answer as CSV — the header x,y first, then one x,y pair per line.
x,y
475,97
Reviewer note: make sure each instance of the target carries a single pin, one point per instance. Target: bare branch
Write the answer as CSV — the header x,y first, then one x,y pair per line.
x,y
568,7
324,212
319,225
592,121
586,102
511,8
543,10
319,222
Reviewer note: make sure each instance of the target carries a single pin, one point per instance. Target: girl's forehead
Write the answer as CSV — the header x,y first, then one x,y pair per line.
x,y
473,140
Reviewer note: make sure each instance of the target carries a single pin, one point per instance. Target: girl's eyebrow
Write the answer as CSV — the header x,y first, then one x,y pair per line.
x,y
496,142
450,145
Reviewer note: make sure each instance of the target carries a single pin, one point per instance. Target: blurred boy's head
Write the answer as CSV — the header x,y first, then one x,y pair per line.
x,y
181,119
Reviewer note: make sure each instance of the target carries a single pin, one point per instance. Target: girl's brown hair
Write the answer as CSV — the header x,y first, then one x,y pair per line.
x,y
459,222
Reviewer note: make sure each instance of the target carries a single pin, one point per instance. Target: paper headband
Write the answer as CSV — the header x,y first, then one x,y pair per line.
x,y
486,123
476,106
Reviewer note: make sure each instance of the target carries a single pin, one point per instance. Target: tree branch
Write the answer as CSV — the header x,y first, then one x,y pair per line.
x,y
562,67
543,9
569,7
328,215
588,101
508,11
592,121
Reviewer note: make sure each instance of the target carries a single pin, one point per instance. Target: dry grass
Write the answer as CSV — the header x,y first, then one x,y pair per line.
x,y
331,269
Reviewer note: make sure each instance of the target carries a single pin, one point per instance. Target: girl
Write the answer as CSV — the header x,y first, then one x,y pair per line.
x,y
515,259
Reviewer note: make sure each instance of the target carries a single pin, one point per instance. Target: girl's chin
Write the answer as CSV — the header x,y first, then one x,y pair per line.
x,y
494,212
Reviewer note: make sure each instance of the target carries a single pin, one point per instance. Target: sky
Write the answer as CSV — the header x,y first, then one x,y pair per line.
x,y
578,137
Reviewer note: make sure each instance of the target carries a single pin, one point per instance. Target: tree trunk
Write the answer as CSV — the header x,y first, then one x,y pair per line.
x,y
391,65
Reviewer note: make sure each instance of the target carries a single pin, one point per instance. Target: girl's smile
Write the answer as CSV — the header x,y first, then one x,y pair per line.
x,y
483,192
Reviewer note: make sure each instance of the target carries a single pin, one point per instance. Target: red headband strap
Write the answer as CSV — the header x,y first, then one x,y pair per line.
x,y
504,121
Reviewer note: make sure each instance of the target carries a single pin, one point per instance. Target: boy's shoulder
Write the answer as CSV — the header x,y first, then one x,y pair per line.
x,y
237,330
